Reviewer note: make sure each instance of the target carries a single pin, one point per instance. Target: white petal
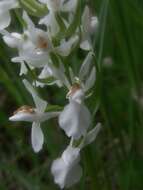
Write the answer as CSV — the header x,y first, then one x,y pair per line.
x,y
85,67
48,115
4,20
53,5
51,22
29,22
94,24
71,155
43,1
32,59
86,21
40,104
59,74
91,80
17,59
46,72
74,176
86,45
23,69
91,135
78,96
13,39
34,33
6,5
69,6
39,84
20,116
37,137
59,171
66,47
75,119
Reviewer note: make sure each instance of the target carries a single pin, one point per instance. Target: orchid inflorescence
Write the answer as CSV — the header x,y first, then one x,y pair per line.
x,y
67,29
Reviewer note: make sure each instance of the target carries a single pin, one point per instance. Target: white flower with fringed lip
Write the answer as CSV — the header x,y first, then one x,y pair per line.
x,y
35,115
66,170
5,7
75,119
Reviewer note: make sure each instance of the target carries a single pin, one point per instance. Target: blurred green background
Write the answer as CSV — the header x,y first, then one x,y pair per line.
x,y
115,160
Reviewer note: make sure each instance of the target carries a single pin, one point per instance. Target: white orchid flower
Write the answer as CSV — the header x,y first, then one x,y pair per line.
x,y
26,50
51,23
35,115
5,7
66,47
87,73
75,119
35,45
66,169
89,26
55,72
58,73
90,136
84,81
46,73
58,76
15,40
54,7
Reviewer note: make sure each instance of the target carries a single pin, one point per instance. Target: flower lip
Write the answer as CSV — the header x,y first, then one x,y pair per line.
x,y
25,109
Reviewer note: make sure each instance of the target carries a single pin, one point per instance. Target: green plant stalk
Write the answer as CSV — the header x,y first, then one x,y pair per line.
x,y
91,169
34,8
102,20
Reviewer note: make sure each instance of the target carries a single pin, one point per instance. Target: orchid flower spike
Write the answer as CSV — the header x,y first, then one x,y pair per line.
x,y
35,115
5,7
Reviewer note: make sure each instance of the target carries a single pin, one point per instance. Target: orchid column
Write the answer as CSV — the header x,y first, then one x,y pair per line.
x,y
41,54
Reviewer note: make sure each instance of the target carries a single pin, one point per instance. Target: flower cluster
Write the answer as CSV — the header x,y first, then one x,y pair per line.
x,y
43,51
